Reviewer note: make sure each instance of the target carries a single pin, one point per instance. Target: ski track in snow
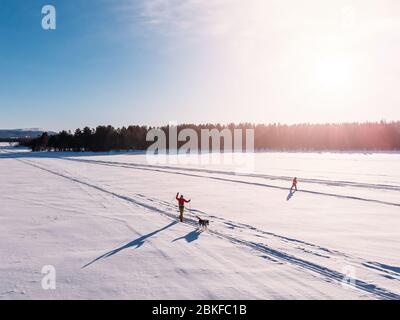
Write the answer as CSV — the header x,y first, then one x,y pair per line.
x,y
180,171
225,229
341,183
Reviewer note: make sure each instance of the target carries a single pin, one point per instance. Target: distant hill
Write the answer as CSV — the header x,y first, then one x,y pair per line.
x,y
22,133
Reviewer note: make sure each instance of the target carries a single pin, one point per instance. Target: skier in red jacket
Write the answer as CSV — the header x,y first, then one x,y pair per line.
x,y
181,201
294,184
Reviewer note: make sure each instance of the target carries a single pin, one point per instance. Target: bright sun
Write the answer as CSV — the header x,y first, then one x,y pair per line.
x,y
332,73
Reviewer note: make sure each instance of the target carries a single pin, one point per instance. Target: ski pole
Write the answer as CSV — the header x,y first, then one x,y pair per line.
x,y
190,209
172,202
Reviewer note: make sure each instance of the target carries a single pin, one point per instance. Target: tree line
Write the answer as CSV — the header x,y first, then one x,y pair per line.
x,y
382,135
10,140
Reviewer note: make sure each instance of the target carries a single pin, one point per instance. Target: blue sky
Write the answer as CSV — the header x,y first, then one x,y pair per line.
x,y
155,61
89,70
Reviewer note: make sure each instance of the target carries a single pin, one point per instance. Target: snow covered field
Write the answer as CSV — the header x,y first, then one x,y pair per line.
x,y
108,224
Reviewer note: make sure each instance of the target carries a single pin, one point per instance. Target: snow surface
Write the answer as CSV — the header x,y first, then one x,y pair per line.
x,y
108,224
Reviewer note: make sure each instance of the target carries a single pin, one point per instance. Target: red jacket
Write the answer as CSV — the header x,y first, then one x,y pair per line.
x,y
182,201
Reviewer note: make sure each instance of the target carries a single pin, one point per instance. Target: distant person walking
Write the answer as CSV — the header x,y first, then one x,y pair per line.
x,y
181,202
294,184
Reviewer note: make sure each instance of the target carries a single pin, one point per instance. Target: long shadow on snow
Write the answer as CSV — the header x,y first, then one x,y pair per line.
x,y
290,195
137,243
191,236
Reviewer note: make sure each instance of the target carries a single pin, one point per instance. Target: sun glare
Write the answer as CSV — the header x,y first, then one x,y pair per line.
x,y
332,73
